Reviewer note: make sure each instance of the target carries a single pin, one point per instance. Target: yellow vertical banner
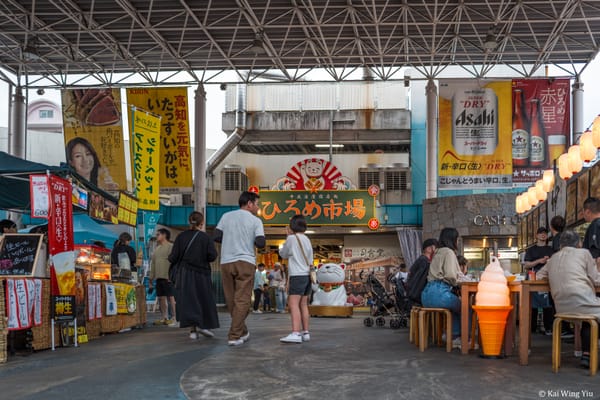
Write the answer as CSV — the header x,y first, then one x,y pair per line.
x,y
171,104
93,130
474,134
145,149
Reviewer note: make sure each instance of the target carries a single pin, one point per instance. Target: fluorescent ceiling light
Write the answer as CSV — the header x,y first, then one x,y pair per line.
x,y
327,146
356,231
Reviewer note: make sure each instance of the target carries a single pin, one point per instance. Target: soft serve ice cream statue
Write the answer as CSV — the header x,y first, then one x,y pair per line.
x,y
492,289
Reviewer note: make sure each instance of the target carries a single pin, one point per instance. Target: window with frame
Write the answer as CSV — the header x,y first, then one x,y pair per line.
x,y
46,114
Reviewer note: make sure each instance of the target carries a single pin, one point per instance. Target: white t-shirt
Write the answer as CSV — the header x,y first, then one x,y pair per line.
x,y
291,250
240,228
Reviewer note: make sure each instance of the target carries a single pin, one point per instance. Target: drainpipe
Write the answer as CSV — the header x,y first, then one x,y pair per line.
x,y
431,180
200,150
236,136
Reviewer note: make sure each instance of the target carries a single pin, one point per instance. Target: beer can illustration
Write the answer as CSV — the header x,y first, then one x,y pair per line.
x,y
475,121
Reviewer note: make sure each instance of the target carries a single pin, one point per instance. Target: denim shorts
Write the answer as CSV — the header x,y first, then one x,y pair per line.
x,y
300,285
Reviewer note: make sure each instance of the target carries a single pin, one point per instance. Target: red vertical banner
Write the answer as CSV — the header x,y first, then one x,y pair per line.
x,y
60,239
541,126
60,222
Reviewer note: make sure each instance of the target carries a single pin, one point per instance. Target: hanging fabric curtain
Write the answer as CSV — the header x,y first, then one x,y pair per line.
x,y
410,244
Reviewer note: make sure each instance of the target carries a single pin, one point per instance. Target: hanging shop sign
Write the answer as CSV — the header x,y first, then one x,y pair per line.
x,y
128,206
171,104
327,207
38,189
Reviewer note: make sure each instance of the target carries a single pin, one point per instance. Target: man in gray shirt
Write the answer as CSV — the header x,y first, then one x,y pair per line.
x,y
239,232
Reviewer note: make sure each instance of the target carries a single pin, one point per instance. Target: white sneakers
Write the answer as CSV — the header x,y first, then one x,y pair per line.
x,y
293,337
456,343
174,324
256,312
305,336
240,341
203,332
206,332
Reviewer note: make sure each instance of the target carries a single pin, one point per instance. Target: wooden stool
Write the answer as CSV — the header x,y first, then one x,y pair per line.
x,y
556,332
413,333
433,318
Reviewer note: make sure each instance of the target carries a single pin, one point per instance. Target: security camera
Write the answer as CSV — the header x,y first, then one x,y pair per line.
x,y
40,92
223,86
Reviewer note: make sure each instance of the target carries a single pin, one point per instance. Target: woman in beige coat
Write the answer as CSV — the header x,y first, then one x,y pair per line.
x,y
572,275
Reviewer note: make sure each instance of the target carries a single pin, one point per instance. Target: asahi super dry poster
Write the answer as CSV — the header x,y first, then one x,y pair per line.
x,y
474,141
172,105
93,131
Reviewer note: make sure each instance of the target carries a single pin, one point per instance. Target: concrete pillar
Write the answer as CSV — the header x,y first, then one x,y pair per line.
x,y
200,150
577,95
431,143
17,128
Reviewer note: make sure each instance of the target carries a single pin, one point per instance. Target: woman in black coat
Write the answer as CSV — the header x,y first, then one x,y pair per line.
x,y
196,304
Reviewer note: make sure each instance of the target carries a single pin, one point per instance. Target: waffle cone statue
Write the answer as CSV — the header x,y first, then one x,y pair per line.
x,y
492,306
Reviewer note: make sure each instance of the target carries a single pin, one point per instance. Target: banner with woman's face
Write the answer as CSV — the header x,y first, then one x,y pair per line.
x,y
93,130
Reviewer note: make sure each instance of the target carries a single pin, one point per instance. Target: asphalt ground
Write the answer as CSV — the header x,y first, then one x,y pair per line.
x,y
343,360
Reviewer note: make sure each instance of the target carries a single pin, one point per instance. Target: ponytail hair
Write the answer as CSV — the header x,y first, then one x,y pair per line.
x,y
123,239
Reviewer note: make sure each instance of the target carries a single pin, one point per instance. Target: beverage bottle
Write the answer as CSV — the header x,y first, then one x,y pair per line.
x,y
537,151
520,136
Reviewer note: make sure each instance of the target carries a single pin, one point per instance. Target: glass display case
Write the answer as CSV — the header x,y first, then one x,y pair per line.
x,y
96,260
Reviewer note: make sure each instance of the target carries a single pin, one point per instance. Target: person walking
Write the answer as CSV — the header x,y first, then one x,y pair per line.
x,y
193,250
258,287
535,258
159,270
239,232
298,250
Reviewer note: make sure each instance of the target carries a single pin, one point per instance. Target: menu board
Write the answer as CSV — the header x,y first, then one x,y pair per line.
x,y
128,206
19,253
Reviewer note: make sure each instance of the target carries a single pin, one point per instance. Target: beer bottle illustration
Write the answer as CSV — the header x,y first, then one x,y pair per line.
x,y
537,150
520,136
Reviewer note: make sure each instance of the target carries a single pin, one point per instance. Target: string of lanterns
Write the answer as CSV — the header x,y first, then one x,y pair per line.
x,y
569,164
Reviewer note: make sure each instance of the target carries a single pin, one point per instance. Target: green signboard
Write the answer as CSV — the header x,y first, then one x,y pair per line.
x,y
327,207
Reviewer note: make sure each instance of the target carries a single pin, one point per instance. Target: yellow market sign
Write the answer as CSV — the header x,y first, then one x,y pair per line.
x,y
328,207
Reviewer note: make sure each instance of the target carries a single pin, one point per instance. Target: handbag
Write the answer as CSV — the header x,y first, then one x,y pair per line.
x,y
175,267
311,270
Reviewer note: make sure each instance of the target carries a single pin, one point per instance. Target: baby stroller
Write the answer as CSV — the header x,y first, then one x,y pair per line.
x,y
395,305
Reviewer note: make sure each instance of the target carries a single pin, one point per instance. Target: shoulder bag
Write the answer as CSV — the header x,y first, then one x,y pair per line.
x,y
175,268
311,270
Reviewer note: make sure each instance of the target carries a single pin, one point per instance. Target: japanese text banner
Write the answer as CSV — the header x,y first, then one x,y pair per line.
x,y
474,134
146,158
176,160
327,207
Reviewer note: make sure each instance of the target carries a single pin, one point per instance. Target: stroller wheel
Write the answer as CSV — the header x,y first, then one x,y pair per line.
x,y
380,321
395,323
368,322
404,322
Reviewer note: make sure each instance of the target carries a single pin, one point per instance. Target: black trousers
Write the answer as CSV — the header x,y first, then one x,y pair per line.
x,y
257,295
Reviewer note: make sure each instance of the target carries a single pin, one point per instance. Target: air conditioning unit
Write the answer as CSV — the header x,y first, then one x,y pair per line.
x,y
233,182
397,185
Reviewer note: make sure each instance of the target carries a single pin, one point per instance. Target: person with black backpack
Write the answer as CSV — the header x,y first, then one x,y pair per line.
x,y
417,276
